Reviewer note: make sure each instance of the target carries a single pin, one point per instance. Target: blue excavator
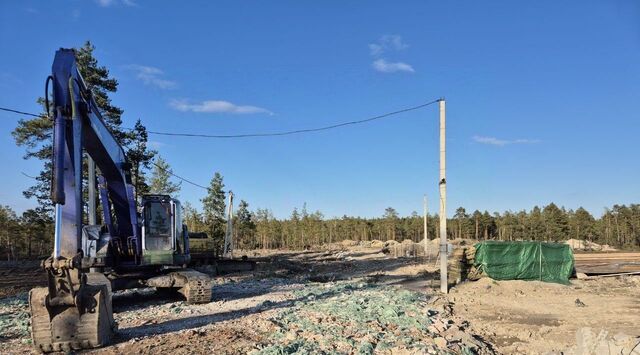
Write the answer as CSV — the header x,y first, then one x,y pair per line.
x,y
137,244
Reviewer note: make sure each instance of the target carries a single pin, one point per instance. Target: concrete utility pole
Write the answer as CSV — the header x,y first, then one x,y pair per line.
x,y
444,288
228,238
426,234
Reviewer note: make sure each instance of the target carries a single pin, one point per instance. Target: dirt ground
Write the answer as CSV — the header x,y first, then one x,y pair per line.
x,y
349,300
19,277
537,317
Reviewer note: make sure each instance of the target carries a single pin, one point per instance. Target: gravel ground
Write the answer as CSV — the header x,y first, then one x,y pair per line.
x,y
355,300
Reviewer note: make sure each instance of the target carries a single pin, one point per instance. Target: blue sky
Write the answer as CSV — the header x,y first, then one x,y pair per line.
x,y
542,97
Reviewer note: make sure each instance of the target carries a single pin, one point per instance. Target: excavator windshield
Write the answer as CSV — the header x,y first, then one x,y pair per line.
x,y
158,225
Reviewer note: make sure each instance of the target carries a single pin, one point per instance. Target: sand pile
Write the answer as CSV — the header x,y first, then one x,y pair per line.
x,y
585,245
348,243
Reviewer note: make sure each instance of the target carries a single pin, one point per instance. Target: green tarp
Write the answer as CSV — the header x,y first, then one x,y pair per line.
x,y
552,262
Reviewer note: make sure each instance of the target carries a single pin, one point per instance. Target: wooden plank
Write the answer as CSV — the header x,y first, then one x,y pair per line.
x,y
607,263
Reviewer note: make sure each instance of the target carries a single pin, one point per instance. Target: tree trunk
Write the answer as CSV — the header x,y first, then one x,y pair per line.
x,y
476,228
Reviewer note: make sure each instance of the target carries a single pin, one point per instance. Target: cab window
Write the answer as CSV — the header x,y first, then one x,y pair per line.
x,y
158,226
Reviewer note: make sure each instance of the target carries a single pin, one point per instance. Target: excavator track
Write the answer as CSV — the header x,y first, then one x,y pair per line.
x,y
67,328
197,288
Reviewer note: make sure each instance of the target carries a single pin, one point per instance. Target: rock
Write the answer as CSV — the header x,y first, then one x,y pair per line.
x,y
199,332
440,342
440,325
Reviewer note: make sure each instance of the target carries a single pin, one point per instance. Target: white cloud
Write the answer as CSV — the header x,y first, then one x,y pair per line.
x,y
151,76
383,66
375,49
107,3
502,142
216,106
387,43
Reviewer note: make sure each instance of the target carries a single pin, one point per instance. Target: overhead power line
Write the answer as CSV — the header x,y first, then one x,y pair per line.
x,y
179,177
20,112
29,176
269,134
297,131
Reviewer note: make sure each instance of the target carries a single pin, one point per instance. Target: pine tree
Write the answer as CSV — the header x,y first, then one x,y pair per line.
x,y
556,223
583,225
140,157
391,219
8,223
161,179
295,226
192,218
36,231
245,226
488,225
213,205
265,227
461,218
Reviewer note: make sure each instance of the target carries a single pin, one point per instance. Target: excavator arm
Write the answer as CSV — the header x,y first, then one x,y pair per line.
x,y
78,127
74,311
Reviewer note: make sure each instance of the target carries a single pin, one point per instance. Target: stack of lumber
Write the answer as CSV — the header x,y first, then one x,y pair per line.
x,y
461,265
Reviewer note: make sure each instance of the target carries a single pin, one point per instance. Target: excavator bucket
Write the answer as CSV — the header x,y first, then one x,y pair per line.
x,y
67,328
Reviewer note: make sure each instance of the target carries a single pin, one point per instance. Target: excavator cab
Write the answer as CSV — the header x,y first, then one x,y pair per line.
x,y
164,241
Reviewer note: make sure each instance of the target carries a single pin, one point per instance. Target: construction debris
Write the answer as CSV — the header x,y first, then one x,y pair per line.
x,y
343,316
14,317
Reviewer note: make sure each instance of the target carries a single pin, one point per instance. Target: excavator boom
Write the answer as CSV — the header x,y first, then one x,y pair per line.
x,y
74,311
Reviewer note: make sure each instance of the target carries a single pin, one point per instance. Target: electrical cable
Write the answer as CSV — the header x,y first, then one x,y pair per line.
x,y
272,134
268,134
21,112
179,177
298,131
